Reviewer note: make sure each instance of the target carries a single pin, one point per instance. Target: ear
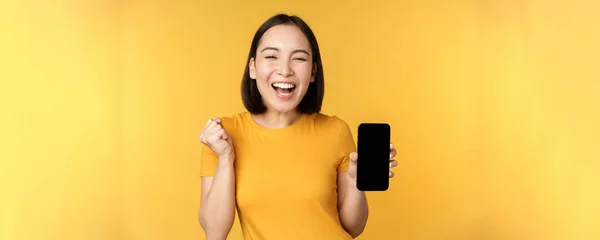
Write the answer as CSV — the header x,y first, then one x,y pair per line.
x,y
252,69
314,73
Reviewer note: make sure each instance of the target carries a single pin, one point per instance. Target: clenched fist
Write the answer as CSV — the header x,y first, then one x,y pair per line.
x,y
216,138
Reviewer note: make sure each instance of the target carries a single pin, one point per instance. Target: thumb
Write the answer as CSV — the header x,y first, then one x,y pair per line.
x,y
353,156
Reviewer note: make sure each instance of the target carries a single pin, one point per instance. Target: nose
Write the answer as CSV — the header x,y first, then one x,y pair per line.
x,y
285,69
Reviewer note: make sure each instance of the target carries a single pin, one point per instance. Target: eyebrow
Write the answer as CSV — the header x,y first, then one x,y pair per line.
x,y
277,49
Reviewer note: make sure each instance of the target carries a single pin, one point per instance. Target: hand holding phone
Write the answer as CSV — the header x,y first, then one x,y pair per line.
x,y
373,149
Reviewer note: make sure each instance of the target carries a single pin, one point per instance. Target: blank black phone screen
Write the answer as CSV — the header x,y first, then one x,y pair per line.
x,y
373,148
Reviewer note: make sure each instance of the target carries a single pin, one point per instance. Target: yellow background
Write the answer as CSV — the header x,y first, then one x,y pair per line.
x,y
494,108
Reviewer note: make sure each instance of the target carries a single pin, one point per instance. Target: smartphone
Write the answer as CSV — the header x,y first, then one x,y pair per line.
x,y
373,148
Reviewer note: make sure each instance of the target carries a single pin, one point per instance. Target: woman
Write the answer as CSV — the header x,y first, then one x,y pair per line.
x,y
289,169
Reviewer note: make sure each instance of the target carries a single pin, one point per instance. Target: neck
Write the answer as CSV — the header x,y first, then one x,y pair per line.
x,y
274,119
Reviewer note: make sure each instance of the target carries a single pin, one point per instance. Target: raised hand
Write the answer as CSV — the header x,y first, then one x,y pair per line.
x,y
216,138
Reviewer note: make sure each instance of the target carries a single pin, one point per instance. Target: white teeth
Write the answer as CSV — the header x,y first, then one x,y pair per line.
x,y
284,85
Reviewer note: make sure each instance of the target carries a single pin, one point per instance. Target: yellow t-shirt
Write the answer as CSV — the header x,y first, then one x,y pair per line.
x,y
286,179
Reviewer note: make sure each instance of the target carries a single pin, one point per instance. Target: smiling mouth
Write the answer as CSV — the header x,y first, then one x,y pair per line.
x,y
283,88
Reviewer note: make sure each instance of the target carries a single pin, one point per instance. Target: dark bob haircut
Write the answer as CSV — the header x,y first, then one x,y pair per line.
x,y
312,101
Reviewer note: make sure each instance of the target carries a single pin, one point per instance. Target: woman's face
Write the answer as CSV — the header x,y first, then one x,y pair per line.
x,y
283,68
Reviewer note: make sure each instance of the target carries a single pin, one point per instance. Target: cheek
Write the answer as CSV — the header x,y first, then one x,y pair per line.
x,y
264,70
304,72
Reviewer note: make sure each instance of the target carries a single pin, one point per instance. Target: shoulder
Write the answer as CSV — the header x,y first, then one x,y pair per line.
x,y
233,121
337,129
329,119
330,122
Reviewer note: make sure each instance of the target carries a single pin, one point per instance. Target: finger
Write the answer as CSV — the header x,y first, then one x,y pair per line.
x,y
354,156
392,174
224,136
207,122
215,136
209,128
393,164
202,137
218,120
393,153
211,123
203,133
214,127
391,146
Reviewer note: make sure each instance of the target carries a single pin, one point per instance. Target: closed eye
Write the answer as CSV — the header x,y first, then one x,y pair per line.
x,y
300,59
271,57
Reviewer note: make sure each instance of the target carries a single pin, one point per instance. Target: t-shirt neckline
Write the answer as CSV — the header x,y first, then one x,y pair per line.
x,y
259,127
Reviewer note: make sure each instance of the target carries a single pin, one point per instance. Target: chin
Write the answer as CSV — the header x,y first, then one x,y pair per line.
x,y
283,108
278,106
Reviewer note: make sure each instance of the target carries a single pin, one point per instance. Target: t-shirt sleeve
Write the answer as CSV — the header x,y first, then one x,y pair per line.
x,y
208,162
346,146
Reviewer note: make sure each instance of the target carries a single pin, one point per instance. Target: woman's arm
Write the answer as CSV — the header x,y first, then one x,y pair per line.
x,y
217,204
352,204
